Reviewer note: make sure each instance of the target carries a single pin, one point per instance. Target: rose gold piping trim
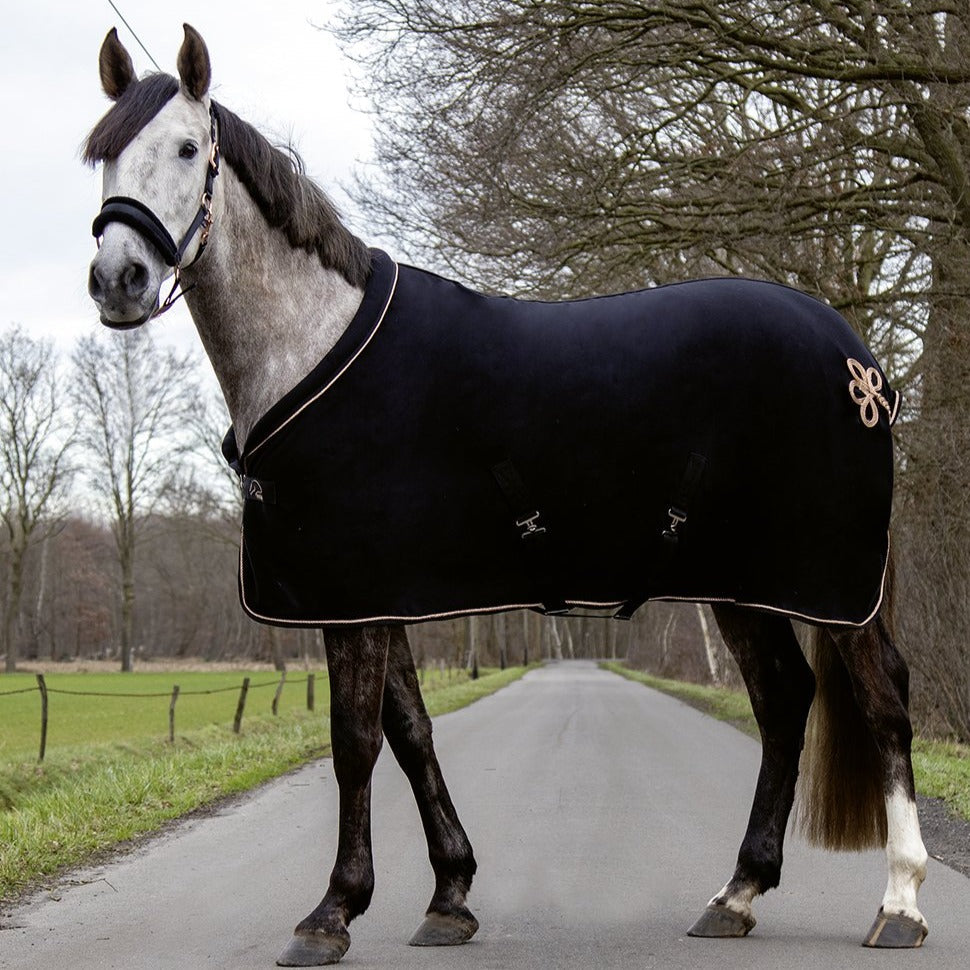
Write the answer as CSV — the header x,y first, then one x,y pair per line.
x,y
531,606
337,376
792,614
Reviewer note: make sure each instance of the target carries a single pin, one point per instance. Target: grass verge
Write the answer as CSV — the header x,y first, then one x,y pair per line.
x,y
722,703
88,798
942,768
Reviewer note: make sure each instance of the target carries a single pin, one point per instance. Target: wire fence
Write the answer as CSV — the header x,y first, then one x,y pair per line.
x,y
176,692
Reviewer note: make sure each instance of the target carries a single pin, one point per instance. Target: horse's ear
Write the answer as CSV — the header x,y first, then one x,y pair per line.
x,y
195,71
114,63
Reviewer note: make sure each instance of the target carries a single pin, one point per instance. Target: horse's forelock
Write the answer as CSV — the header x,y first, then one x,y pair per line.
x,y
134,109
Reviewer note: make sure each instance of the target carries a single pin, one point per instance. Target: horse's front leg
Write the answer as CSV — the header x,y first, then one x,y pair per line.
x,y
356,661
408,731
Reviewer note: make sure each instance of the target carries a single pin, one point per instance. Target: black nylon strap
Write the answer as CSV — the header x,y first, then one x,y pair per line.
x,y
533,532
677,511
682,500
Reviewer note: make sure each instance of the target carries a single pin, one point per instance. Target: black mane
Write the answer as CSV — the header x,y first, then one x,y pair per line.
x,y
288,200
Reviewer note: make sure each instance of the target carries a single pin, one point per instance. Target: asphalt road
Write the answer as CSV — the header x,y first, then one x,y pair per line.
x,y
603,815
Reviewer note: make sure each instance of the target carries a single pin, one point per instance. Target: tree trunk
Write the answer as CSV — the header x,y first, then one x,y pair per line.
x,y
471,643
275,649
611,635
127,607
37,628
12,611
501,634
710,652
933,509
555,638
666,639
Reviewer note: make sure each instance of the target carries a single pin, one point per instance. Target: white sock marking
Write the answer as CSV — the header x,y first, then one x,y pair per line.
x,y
906,856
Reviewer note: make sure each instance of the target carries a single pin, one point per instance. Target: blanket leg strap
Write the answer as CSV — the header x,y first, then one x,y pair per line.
x,y
678,517
533,532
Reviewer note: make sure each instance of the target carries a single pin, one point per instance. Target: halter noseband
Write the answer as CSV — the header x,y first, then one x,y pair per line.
x,y
137,215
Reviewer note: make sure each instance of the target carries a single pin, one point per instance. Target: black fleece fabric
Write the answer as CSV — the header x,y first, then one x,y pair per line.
x,y
457,453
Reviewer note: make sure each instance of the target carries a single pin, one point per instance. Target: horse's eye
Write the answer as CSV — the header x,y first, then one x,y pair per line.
x,y
188,150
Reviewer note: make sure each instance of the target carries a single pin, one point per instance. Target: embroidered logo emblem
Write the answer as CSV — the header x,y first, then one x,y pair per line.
x,y
255,490
864,390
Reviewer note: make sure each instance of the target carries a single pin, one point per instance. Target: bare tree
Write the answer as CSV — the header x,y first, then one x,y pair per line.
x,y
135,401
565,148
35,473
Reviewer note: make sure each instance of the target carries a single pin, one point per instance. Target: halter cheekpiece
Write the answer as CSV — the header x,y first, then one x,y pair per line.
x,y
137,215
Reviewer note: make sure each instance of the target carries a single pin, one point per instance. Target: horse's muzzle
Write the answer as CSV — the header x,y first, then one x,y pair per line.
x,y
123,293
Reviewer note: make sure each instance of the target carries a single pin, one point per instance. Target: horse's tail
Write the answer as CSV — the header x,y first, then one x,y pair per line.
x,y
841,789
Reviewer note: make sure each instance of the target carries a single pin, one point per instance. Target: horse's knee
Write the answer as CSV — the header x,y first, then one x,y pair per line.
x,y
355,749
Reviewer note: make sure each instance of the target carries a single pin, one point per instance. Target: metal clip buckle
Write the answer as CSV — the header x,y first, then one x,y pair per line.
x,y
677,518
529,521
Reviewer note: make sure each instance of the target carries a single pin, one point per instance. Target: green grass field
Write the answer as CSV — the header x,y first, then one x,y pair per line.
x,y
83,720
942,768
111,775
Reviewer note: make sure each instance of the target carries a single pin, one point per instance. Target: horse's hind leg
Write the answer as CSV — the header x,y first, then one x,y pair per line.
x,y
356,662
880,683
781,686
407,728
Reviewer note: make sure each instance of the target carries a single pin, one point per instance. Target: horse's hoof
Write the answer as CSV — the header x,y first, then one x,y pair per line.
x,y
721,922
439,929
313,950
895,931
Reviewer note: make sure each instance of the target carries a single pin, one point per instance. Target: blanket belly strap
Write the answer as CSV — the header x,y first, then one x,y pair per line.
x,y
534,533
688,489
677,511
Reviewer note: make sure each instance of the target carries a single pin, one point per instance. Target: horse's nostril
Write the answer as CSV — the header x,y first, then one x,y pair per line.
x,y
135,279
94,284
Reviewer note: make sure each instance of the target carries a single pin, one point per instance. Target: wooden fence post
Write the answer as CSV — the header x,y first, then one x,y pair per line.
x,y
171,714
42,687
310,699
276,696
241,706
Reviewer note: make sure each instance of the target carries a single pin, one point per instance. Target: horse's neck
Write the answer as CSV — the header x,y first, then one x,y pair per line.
x,y
266,313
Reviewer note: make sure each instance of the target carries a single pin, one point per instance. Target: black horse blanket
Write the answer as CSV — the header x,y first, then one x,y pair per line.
x,y
454,453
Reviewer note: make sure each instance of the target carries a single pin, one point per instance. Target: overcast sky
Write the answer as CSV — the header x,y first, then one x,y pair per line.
x,y
270,65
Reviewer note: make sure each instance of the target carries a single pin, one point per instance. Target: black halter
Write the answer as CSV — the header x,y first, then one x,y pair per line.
x,y
137,215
